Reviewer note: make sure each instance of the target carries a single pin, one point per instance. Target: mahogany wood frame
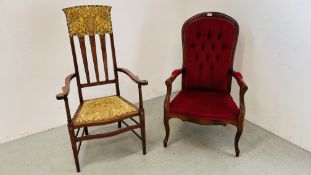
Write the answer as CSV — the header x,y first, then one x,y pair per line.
x,y
243,88
74,129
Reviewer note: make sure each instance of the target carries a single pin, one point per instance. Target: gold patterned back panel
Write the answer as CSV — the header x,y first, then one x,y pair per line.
x,y
88,20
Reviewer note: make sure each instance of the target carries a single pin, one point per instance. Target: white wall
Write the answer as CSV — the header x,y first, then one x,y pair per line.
x,y
35,56
273,53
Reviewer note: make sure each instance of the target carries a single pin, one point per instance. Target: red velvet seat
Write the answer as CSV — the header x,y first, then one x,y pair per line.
x,y
205,105
209,40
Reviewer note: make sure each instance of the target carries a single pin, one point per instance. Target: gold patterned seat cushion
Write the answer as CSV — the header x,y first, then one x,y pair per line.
x,y
103,109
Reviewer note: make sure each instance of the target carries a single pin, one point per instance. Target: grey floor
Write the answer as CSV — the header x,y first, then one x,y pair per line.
x,y
192,149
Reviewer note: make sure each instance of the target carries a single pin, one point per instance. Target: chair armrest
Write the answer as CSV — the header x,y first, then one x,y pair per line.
x,y
243,88
132,76
173,76
66,88
169,83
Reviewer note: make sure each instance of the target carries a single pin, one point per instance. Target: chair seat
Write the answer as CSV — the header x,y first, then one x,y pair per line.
x,y
104,109
209,105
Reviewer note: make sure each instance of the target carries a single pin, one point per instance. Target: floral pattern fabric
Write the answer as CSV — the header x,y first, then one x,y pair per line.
x,y
88,20
103,109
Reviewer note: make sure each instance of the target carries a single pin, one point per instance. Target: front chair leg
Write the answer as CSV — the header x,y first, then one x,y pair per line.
x,y
167,130
236,142
74,147
142,129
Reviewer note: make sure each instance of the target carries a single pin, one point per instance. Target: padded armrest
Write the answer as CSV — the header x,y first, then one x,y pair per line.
x,y
239,78
173,76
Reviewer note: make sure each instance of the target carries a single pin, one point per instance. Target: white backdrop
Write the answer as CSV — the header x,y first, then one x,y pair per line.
x,y
274,55
35,57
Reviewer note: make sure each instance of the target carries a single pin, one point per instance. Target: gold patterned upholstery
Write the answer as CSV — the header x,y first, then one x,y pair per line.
x,y
103,109
88,20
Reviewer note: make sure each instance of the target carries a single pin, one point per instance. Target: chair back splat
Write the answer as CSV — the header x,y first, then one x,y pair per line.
x,y
209,42
90,22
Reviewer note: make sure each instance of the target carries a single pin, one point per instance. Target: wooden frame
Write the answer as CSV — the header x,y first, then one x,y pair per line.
x,y
74,129
243,88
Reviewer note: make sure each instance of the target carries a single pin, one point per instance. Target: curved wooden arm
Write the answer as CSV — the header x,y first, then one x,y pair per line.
x,y
169,83
132,76
66,88
243,88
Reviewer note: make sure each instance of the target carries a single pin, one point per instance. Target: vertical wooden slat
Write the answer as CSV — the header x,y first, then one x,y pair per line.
x,y
93,48
76,68
114,63
84,57
104,54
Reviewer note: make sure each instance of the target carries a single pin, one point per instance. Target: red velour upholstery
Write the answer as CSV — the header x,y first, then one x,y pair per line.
x,y
205,105
237,75
208,44
176,72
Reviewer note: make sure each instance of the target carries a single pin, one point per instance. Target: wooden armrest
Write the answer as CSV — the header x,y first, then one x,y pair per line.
x,y
66,88
243,88
239,78
132,76
173,76
168,83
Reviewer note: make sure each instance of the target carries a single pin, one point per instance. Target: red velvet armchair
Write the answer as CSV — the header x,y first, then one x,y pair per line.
x,y
209,40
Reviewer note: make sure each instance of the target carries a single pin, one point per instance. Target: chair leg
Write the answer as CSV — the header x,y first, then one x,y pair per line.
x,y
236,142
119,124
86,131
167,130
143,132
74,147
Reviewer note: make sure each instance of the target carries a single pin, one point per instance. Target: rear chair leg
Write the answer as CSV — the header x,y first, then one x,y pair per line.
x,y
86,131
74,147
167,130
119,124
143,132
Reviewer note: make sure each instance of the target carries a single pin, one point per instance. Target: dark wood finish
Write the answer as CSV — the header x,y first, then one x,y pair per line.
x,y
72,126
93,48
243,88
84,57
132,76
75,62
114,61
104,55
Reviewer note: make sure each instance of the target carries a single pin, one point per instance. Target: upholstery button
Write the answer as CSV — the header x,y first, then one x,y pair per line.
x,y
209,35
192,45
203,47
223,47
213,46
198,35
212,66
196,57
219,36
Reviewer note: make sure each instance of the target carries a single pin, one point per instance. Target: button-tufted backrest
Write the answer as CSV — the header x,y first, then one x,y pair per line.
x,y
209,41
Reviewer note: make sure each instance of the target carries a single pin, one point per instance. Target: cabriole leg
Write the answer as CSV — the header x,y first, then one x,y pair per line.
x,y
167,130
236,142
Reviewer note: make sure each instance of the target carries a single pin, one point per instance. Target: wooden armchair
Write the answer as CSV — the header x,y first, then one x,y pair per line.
x,y
91,22
209,42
